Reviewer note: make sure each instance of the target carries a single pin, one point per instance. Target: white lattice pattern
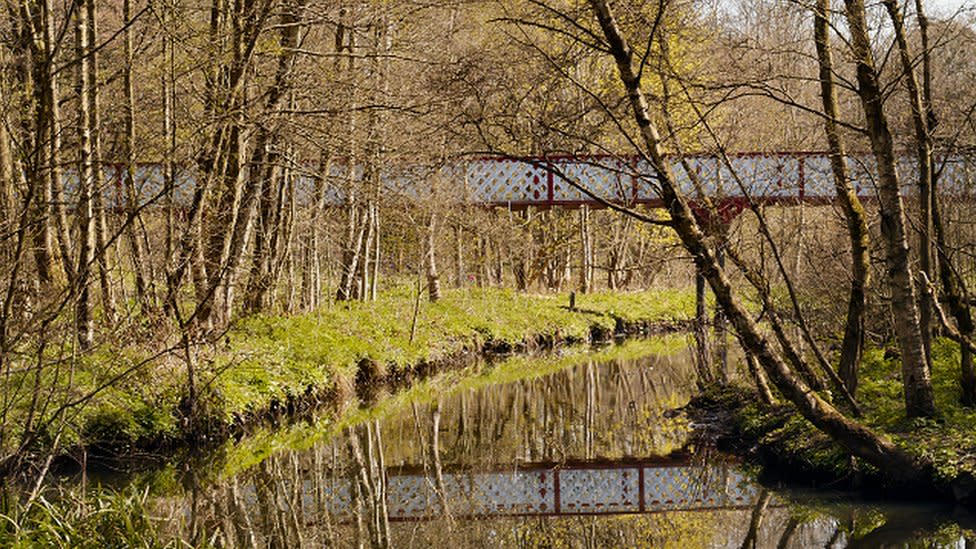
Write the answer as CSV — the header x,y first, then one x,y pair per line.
x,y
602,489
549,182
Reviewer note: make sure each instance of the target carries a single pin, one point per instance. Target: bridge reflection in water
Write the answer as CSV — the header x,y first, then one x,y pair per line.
x,y
598,488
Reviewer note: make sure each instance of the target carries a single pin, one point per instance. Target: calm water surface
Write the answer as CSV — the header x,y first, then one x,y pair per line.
x,y
587,456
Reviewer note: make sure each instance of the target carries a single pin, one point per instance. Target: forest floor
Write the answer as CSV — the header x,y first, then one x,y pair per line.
x,y
268,365
787,444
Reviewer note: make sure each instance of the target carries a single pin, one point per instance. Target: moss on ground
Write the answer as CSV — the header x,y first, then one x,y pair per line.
x,y
787,440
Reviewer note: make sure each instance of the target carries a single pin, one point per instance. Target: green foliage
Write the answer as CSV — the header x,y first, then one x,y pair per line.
x,y
103,519
947,441
266,360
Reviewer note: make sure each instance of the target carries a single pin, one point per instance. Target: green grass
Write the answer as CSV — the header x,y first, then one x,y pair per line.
x,y
102,519
948,441
273,357
267,359
239,456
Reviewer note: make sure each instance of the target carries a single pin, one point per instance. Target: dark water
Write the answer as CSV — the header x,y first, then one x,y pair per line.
x,y
589,455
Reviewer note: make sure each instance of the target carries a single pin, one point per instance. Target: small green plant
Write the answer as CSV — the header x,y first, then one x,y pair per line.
x,y
102,519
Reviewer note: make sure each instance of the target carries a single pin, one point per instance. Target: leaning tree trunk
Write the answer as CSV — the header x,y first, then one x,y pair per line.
x,y
919,400
857,225
856,438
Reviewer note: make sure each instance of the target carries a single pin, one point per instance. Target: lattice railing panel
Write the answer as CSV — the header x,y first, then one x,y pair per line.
x,y
522,182
608,178
600,491
502,181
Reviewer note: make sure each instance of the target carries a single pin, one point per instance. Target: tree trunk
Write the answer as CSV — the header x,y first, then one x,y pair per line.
x,y
923,143
702,357
375,279
721,326
458,256
33,45
364,253
98,183
263,257
52,137
169,136
586,251
919,400
857,225
243,226
853,436
139,272
954,290
8,207
86,174
433,278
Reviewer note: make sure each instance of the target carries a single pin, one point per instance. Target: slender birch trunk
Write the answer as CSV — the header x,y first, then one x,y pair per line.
x,y
98,184
854,215
52,138
139,272
86,174
919,400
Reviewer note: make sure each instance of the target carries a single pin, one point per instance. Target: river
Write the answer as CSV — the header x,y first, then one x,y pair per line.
x,y
582,450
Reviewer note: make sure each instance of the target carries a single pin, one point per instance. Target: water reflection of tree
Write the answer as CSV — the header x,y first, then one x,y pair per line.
x,y
615,410
296,498
366,448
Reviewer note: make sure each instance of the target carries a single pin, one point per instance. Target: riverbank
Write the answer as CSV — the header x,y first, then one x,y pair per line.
x,y
267,366
780,440
640,381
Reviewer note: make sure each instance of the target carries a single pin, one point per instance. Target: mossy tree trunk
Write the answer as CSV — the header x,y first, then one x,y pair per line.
x,y
919,400
853,436
857,225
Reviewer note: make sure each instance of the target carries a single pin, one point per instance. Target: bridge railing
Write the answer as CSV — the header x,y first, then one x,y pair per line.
x,y
555,181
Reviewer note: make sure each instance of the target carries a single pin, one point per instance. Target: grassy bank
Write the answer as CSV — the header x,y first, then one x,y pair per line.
x,y
102,516
266,363
238,456
787,442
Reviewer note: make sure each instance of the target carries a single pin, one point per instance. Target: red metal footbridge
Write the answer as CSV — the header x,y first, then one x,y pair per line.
x,y
789,177
573,181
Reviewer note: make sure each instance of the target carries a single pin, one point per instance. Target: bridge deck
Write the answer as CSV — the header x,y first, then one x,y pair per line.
x,y
768,178
548,182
